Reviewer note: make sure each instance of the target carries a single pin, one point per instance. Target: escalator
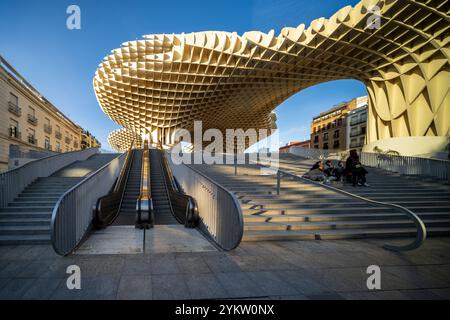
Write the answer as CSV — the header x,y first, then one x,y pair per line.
x,y
146,194
127,211
162,207
118,207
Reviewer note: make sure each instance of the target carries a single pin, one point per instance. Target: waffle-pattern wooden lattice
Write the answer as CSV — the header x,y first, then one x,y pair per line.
x,y
164,82
121,139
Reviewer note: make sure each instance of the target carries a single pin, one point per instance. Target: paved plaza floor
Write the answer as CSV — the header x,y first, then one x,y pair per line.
x,y
262,270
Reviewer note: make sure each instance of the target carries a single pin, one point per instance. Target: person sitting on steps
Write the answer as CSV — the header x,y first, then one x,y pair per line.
x,y
354,168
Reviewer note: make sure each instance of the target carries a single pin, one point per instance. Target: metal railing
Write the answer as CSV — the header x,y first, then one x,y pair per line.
x,y
219,210
13,182
72,216
145,217
108,207
184,207
312,153
421,234
439,169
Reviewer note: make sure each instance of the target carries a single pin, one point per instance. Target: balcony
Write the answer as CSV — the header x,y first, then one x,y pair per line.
x,y
48,128
32,139
32,120
67,140
14,109
14,133
58,135
355,122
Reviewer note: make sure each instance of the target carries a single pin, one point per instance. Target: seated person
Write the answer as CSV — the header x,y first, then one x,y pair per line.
x,y
329,168
338,171
354,168
317,173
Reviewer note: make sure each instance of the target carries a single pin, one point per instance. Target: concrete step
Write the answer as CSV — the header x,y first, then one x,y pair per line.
x,y
24,230
24,239
26,215
27,209
282,235
27,203
339,217
24,222
334,225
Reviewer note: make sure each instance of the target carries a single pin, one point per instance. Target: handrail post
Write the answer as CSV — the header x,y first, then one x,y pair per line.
x,y
278,182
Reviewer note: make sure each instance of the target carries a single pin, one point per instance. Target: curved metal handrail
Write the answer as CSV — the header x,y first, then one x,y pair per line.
x,y
421,229
59,204
183,207
235,202
110,204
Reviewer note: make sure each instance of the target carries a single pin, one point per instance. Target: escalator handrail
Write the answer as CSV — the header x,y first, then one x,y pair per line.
x,y
144,204
191,216
118,191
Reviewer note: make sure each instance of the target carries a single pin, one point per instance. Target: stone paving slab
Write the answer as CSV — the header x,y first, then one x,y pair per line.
x,y
296,270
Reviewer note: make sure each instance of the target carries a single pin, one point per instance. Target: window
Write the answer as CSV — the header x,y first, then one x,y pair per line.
x,y
363,130
47,143
316,139
14,129
339,122
31,136
364,116
325,136
32,112
13,99
336,134
47,121
58,146
314,129
316,146
336,144
328,126
325,146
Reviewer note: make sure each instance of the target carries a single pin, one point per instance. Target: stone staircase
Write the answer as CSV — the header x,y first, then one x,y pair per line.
x,y
306,211
27,219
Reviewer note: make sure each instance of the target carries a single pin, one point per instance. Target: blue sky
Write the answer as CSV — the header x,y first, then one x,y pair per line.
x,y
61,63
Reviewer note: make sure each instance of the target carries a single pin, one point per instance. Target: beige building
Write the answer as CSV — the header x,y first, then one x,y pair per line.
x,y
30,126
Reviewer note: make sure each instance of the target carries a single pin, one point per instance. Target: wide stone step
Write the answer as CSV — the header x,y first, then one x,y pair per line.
x,y
24,222
339,217
27,209
24,230
282,235
24,239
25,215
26,203
354,224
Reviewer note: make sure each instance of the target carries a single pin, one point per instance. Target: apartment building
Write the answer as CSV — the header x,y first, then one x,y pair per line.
x,y
30,126
329,129
357,125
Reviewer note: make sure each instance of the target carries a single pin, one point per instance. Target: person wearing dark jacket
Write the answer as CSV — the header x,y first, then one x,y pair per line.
x,y
354,167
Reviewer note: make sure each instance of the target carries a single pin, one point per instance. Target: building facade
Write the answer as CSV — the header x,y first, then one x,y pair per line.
x,y
303,144
329,129
30,126
357,125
